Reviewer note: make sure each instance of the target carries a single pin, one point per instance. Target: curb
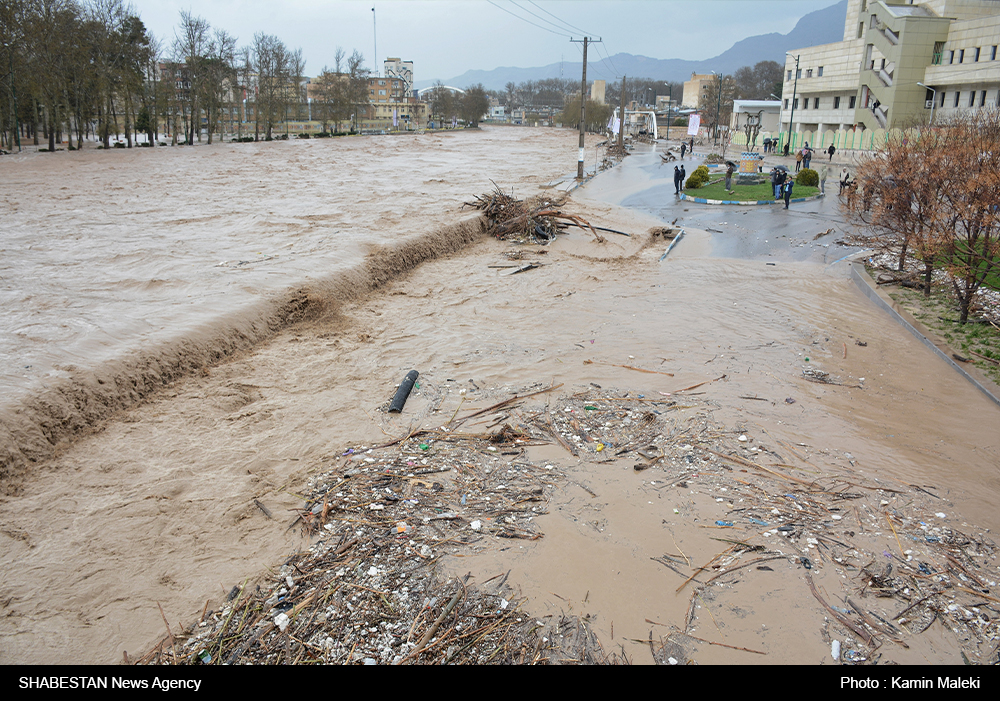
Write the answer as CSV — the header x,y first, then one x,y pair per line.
x,y
867,286
702,200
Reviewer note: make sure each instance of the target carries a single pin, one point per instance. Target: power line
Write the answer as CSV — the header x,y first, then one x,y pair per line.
x,y
524,9
552,15
528,20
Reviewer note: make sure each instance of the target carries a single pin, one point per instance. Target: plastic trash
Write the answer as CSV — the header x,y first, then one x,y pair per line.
x,y
835,649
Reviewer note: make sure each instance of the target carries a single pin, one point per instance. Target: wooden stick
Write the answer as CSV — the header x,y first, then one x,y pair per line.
x,y
628,367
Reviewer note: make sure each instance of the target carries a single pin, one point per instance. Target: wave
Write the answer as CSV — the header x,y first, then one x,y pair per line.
x,y
35,427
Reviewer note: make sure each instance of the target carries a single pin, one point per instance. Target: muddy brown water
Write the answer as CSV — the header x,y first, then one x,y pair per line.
x,y
157,505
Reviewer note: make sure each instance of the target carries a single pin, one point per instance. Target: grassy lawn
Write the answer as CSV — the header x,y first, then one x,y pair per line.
x,y
743,193
940,314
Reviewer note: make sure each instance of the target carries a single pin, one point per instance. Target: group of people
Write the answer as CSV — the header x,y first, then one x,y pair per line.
x,y
679,176
782,185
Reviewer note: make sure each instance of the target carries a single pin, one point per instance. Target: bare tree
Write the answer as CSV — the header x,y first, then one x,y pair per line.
x,y
191,45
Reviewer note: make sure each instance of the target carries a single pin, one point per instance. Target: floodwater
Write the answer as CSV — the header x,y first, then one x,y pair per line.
x,y
157,507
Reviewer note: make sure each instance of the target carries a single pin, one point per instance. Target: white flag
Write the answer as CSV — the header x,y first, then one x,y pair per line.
x,y
694,121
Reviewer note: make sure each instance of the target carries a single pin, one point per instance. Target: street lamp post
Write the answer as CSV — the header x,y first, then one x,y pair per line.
x,y
670,98
933,100
795,88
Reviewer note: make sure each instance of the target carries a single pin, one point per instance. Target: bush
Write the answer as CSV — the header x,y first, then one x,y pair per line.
x,y
698,178
304,136
323,135
807,176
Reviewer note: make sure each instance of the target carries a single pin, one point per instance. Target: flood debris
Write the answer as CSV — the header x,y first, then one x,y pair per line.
x,y
881,561
537,219
372,588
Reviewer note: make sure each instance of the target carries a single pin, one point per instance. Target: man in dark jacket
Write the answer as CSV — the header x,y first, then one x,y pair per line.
x,y
677,180
787,190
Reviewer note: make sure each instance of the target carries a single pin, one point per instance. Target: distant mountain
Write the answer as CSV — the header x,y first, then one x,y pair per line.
x,y
820,27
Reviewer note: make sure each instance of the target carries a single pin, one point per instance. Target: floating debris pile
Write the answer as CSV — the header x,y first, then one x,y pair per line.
x,y
537,219
874,562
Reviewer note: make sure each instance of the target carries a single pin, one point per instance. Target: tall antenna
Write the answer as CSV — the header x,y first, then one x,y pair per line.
x,y
375,37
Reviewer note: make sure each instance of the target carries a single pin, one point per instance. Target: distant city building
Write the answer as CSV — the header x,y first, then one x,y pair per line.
x,y
597,89
695,88
392,107
398,68
870,79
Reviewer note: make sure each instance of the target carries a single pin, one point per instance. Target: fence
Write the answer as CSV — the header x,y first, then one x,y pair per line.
x,y
849,140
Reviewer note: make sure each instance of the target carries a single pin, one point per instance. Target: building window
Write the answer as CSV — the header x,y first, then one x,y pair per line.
x,y
851,102
943,94
861,29
961,56
819,72
951,56
795,105
993,54
816,104
786,103
805,103
836,103
976,58
809,73
957,95
789,76
798,73
982,99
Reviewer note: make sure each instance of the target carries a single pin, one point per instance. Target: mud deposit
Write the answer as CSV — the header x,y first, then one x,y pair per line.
x,y
163,503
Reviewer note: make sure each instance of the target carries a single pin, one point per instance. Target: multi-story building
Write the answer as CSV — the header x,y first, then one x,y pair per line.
x,y
900,60
695,88
392,106
398,68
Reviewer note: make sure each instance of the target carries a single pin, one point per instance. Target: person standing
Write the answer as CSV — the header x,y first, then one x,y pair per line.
x,y
831,151
677,180
807,156
787,189
798,159
823,173
774,182
845,177
683,148
691,149
683,177
729,177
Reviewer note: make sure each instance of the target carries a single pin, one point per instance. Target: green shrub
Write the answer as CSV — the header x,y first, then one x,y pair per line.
x,y
304,136
698,178
807,176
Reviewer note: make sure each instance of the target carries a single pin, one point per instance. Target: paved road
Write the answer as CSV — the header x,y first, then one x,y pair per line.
x,y
768,232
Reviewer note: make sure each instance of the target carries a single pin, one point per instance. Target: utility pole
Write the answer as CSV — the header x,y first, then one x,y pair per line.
x,y
583,106
621,112
375,39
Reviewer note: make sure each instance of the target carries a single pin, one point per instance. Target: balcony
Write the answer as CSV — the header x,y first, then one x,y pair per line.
x,y
886,78
892,37
936,59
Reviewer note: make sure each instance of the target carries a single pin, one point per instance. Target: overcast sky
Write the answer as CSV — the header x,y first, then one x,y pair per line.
x,y
445,38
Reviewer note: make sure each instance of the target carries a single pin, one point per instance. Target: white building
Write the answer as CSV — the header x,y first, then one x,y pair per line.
x,y
398,68
872,79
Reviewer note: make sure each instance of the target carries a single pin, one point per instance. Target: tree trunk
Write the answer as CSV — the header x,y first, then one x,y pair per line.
x,y
928,268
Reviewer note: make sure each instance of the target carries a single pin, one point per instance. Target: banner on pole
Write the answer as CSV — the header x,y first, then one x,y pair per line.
x,y
694,121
